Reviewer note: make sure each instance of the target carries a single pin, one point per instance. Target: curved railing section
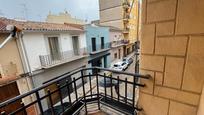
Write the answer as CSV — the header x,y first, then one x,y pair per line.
x,y
116,89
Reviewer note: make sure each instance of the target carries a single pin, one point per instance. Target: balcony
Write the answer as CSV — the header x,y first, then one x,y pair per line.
x,y
95,49
126,41
101,92
126,4
52,60
117,43
126,30
126,17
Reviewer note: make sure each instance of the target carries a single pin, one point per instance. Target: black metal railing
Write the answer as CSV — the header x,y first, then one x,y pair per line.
x,y
98,47
112,90
126,4
57,58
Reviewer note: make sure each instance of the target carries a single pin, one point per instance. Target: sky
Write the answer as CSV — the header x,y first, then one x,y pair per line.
x,y
37,10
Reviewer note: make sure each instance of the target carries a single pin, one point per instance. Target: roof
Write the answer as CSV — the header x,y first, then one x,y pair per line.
x,y
80,26
112,28
36,26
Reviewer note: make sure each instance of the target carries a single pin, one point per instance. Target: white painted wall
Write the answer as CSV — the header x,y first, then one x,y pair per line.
x,y
36,44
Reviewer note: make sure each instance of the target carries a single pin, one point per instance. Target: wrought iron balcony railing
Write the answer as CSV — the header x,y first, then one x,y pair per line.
x,y
126,30
61,57
119,43
98,47
126,4
118,93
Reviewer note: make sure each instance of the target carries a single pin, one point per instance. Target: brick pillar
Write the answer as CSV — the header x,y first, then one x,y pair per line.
x,y
172,52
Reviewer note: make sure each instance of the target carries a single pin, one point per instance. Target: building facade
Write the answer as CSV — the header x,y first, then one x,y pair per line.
x,y
62,18
49,50
117,43
12,73
172,53
122,14
98,45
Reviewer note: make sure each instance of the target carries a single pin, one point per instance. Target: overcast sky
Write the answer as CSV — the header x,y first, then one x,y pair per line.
x,y
37,10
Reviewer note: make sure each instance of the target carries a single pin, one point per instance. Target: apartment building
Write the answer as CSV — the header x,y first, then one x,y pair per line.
x,y
50,50
122,14
117,43
98,42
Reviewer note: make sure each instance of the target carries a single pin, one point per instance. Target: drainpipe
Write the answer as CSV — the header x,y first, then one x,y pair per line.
x,y
25,57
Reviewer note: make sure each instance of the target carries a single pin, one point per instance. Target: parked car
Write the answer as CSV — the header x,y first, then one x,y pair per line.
x,y
120,66
128,60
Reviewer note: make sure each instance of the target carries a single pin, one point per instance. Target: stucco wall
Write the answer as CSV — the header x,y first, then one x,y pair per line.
x,y
104,4
114,23
201,106
172,53
111,14
115,36
96,32
10,54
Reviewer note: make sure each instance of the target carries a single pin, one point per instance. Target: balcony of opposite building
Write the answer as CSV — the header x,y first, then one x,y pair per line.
x,y
58,58
126,30
126,4
98,48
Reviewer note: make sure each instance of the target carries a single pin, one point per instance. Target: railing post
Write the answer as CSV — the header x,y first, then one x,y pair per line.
x,y
24,110
134,79
97,88
118,88
51,103
105,85
82,75
68,91
60,95
111,83
39,102
75,89
126,90
90,84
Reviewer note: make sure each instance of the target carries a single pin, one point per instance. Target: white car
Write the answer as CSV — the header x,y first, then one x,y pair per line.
x,y
120,66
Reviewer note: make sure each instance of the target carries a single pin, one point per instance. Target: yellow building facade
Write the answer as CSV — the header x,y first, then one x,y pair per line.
x,y
62,18
122,14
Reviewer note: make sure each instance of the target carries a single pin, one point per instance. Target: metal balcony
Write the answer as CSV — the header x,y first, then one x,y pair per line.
x,y
94,49
51,60
126,17
126,30
116,91
126,4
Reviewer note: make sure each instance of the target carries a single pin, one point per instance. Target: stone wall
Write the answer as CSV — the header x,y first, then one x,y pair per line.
x,y
172,52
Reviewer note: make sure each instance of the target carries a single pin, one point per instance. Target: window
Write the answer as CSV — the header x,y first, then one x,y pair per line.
x,y
75,42
93,41
102,42
115,55
54,48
